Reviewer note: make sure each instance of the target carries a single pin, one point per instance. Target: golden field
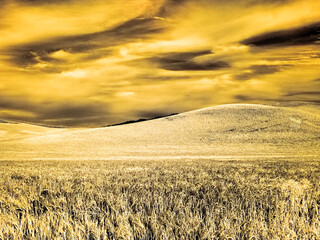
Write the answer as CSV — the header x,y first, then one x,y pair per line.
x,y
172,199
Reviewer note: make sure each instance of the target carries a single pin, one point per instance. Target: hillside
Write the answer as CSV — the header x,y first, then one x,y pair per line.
x,y
226,131
11,131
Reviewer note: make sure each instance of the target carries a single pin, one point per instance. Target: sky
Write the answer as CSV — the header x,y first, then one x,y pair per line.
x,y
91,63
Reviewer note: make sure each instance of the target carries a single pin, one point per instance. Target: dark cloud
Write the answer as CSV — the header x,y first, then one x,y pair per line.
x,y
262,2
93,43
265,69
164,78
185,61
172,6
255,99
186,55
309,34
17,103
73,110
40,2
316,55
56,113
286,98
307,93
257,70
36,2
28,57
242,97
191,66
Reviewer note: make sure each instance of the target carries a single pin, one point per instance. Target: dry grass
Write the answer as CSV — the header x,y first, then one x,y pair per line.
x,y
160,200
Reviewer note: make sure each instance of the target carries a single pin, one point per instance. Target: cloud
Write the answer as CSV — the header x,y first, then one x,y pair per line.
x,y
57,113
35,2
181,65
75,114
42,2
280,102
307,93
94,63
171,6
73,110
254,99
9,102
263,2
257,70
165,77
32,53
186,61
242,97
308,34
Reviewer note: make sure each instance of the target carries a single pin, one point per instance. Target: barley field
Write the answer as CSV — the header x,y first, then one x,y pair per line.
x,y
174,199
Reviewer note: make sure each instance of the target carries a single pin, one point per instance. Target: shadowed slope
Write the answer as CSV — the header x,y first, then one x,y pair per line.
x,y
220,131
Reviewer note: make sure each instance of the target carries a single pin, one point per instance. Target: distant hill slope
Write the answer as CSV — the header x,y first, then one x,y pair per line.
x,y
10,131
140,120
220,131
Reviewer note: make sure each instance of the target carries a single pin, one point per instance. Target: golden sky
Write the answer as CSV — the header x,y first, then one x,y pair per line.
x,y
96,62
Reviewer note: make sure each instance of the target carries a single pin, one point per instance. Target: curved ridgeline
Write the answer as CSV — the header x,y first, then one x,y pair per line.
x,y
233,131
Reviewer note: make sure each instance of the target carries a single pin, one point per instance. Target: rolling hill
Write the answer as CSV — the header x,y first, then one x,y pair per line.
x,y
12,131
225,131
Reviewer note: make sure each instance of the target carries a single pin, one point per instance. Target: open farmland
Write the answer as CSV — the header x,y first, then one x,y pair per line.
x,y
199,199
225,172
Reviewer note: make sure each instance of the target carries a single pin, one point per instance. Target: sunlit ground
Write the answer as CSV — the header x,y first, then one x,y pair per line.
x,y
200,199
224,172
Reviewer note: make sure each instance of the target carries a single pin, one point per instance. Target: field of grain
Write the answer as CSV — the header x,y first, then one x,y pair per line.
x,y
204,199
